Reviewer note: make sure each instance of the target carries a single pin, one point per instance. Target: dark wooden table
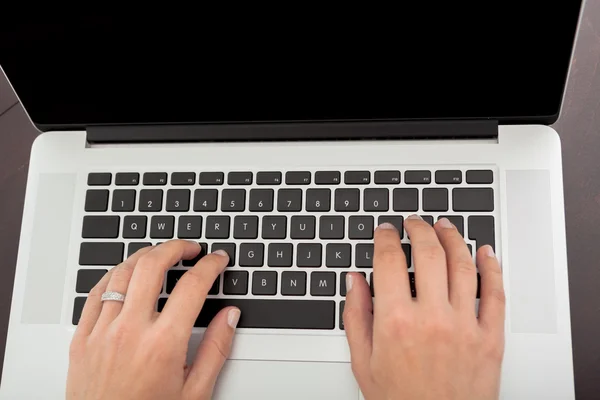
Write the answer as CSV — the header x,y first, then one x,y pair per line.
x,y
579,127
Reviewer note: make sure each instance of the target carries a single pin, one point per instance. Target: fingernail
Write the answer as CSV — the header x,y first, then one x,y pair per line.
x,y
445,223
233,316
349,282
385,225
414,216
221,253
489,251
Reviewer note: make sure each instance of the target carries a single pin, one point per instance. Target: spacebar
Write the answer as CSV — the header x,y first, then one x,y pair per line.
x,y
272,314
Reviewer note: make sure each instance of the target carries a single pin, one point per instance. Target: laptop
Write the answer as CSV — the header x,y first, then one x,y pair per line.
x,y
285,150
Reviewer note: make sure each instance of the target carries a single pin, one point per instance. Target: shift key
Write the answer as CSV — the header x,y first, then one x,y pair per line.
x,y
101,253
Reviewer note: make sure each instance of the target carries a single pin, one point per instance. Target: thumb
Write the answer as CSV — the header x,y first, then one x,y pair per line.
x,y
212,353
358,323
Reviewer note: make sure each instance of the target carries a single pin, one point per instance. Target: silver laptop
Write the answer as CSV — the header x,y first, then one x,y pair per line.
x,y
286,151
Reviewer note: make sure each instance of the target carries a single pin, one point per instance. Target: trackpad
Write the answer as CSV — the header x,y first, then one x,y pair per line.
x,y
276,380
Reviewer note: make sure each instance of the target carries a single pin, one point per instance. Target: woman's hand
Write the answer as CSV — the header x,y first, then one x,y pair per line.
x,y
434,346
128,350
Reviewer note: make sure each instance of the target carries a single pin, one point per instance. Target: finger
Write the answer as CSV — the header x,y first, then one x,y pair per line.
x,y
92,308
462,274
187,298
431,275
358,324
211,354
390,275
149,274
492,301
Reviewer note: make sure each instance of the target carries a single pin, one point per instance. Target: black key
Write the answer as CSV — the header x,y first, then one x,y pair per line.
x,y
194,261
473,199
162,227
376,199
302,227
470,249
99,253
205,200
102,227
229,249
347,200
297,178
88,278
99,179
341,318
428,219
155,178
178,200
211,178
261,200
331,227
364,255
318,200
412,284
478,295
217,227
289,200
173,277
235,282
338,255
268,178
214,289
77,309
435,199
271,313
457,221
233,200
96,200
406,199
448,177
280,255
308,255
183,178
151,200
357,177
127,179
239,178
396,220
251,255
322,284
387,177
343,282
189,227
134,226
264,283
417,177
372,284
327,177
293,283
245,227
407,253
124,200
481,229
360,227
274,227
480,176
133,247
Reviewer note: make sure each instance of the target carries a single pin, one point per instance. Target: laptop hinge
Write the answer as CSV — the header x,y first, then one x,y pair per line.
x,y
372,130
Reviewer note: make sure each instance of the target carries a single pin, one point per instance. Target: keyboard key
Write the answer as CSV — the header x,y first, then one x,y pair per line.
x,y
357,177
343,282
435,199
318,200
88,278
376,199
387,177
189,227
183,178
251,254
360,227
217,227
428,219
178,200
338,255
239,178
322,283
297,178
289,200
229,248
123,200
396,220
78,309
99,179
211,178
155,178
101,253
133,247
480,176
417,177
96,200
280,255
134,227
268,178
264,283
233,200
451,177
407,253
274,227
406,199
364,255
194,261
102,227
293,283
214,289
234,283
341,315
303,227
151,200
162,227
261,200
331,227
481,229
127,179
308,255
205,200
271,313
473,199
245,227
327,177
347,200
457,221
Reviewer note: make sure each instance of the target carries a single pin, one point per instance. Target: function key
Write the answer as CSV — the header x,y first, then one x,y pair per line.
x,y
127,178
99,178
183,178
480,176
417,177
327,177
155,178
211,178
297,178
268,178
357,177
387,177
239,178
449,177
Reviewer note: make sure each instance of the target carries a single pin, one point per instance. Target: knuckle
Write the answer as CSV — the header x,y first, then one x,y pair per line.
x,y
464,266
118,333
438,328
218,347
96,292
121,274
430,252
195,279
389,255
399,323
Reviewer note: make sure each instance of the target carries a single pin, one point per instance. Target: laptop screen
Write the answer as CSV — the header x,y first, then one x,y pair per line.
x,y
470,62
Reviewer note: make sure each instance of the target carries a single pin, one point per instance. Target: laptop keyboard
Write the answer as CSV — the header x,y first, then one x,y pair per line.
x,y
291,236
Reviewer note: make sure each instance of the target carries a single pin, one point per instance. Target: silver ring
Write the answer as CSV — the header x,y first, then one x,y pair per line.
x,y
114,296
